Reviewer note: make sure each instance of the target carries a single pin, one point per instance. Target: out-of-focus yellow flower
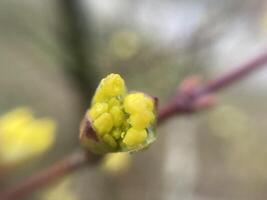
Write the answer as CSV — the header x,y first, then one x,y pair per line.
x,y
122,121
124,44
115,163
22,136
61,190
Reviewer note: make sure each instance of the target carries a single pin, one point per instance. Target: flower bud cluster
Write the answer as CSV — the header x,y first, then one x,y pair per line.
x,y
121,121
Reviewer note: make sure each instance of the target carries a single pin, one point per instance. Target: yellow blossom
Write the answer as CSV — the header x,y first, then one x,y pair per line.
x,y
98,109
117,115
113,102
116,133
121,121
22,136
103,124
134,137
110,140
115,163
138,102
61,190
141,120
111,86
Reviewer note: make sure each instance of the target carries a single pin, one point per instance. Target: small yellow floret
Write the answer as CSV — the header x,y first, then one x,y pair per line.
x,y
150,103
99,96
113,102
113,85
23,137
108,139
142,120
118,115
116,133
137,102
97,110
134,137
103,124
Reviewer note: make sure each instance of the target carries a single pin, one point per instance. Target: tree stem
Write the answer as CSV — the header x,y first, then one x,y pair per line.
x,y
43,178
186,102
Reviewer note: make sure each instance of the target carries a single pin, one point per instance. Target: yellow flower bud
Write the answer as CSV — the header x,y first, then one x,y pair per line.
x,y
138,102
118,115
109,140
113,102
97,110
99,96
150,103
116,133
134,137
111,86
103,124
142,120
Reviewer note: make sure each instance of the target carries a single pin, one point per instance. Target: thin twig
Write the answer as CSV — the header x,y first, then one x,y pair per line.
x,y
59,169
186,102
183,102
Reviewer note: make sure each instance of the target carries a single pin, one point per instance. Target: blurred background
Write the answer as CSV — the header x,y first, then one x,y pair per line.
x,y
53,54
